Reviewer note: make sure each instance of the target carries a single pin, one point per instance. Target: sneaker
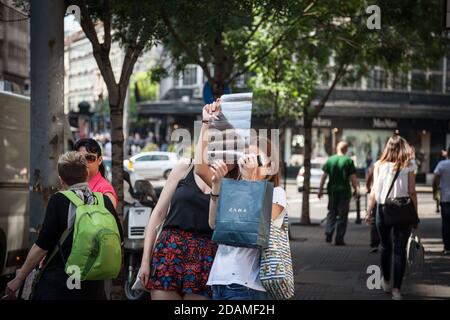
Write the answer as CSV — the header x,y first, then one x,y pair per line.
x,y
373,250
385,286
328,238
396,295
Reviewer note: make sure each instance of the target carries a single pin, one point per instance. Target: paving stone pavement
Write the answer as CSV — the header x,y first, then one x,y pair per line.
x,y
325,271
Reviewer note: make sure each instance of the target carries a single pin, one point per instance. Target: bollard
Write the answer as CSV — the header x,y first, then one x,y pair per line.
x,y
358,209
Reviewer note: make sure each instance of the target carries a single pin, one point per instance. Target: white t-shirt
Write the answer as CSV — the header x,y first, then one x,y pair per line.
x,y
384,180
241,265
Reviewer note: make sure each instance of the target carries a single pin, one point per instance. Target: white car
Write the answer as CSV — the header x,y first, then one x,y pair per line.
x,y
316,174
153,164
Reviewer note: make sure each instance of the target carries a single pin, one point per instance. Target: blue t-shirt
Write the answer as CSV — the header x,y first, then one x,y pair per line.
x,y
443,171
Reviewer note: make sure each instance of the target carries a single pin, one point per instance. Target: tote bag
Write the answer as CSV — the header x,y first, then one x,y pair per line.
x,y
244,213
276,271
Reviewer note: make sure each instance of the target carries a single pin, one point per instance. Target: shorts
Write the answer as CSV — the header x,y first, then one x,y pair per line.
x,y
181,262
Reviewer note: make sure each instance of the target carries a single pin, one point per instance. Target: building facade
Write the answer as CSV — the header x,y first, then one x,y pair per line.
x,y
84,85
365,113
14,49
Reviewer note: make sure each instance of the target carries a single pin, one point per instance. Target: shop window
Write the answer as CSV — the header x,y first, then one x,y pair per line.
x,y
365,146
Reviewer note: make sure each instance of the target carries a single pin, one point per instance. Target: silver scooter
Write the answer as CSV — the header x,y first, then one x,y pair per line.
x,y
137,215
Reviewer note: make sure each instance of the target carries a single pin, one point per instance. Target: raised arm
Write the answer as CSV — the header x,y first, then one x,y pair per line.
x,y
210,112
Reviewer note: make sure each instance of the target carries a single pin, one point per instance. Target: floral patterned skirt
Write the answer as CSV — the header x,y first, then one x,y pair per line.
x,y
182,261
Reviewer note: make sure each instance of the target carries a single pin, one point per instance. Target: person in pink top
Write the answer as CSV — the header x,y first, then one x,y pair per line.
x,y
97,182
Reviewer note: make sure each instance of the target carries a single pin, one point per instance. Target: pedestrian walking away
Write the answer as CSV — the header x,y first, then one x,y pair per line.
x,y
340,171
441,184
394,178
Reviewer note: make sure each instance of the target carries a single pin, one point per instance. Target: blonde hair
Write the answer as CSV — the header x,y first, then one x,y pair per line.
x,y
397,151
72,168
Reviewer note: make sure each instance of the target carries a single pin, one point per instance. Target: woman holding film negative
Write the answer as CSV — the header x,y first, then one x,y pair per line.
x,y
176,264
235,271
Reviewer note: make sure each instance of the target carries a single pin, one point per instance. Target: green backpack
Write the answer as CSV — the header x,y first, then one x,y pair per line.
x,y
96,246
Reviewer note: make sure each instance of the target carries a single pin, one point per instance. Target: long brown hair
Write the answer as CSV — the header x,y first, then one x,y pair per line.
x,y
397,151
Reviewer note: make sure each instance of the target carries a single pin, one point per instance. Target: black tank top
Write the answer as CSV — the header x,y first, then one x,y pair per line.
x,y
189,208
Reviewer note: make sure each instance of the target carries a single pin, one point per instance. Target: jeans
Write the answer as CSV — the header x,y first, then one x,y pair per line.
x,y
445,213
337,217
374,237
237,292
399,241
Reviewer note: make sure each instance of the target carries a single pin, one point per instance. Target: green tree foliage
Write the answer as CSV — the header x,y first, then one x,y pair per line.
x,y
333,43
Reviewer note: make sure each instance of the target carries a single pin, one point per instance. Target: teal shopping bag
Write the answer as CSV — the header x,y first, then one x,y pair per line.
x,y
244,212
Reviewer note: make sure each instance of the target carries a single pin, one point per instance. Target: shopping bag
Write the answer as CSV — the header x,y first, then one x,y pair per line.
x,y
244,213
276,271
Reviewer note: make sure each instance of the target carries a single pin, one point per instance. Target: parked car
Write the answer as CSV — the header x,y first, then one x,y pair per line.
x,y
152,164
316,174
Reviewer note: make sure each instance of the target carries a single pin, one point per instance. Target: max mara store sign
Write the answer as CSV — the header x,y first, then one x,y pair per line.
x,y
384,123
379,123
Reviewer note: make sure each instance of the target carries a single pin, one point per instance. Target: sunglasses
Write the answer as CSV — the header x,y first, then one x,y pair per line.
x,y
90,157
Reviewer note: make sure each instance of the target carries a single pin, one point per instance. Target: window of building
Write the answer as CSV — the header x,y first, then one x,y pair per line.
x,y
351,80
190,76
378,79
400,81
418,81
435,82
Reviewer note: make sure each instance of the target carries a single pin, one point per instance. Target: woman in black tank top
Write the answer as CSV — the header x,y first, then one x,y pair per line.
x,y
176,263
189,207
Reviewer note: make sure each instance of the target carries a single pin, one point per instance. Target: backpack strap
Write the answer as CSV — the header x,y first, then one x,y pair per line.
x,y
100,200
73,198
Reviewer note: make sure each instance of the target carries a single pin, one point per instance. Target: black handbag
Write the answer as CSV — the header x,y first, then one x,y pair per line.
x,y
399,211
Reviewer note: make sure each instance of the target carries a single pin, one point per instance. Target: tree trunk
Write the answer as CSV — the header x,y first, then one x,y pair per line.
x,y
305,219
117,152
47,117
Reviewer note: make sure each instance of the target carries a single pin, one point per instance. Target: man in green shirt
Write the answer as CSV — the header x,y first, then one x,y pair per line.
x,y
340,170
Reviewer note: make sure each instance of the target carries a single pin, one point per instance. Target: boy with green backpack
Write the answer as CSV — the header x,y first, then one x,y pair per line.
x,y
81,239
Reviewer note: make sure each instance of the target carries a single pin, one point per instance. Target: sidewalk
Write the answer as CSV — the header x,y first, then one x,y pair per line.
x,y
421,188
324,271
